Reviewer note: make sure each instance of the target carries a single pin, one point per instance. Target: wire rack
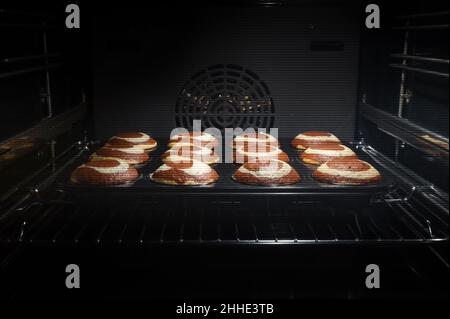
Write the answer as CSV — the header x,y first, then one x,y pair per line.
x,y
221,222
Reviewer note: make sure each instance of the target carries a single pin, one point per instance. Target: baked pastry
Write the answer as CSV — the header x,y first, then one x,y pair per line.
x,y
311,138
347,171
196,138
189,151
129,154
262,152
104,172
322,153
272,172
188,172
251,139
138,139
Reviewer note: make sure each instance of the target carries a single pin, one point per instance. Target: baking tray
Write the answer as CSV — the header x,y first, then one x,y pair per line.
x,y
226,185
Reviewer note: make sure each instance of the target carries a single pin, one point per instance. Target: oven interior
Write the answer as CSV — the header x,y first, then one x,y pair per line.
x,y
293,65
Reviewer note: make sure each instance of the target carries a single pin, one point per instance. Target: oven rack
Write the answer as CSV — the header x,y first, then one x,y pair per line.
x,y
414,212
44,179
220,222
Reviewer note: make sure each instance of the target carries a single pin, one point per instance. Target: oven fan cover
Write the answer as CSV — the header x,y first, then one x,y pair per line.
x,y
225,96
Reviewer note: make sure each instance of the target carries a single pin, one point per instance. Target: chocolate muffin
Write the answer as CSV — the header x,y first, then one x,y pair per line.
x,y
104,172
347,171
138,139
311,138
273,173
129,154
249,140
195,138
202,154
188,172
322,153
262,152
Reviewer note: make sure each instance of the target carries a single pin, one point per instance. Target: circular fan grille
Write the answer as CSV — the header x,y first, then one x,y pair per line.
x,y
225,96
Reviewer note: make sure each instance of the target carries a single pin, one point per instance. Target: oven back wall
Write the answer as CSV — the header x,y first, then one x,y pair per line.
x,y
306,55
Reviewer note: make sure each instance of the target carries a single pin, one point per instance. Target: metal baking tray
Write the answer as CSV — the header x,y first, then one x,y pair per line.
x,y
226,185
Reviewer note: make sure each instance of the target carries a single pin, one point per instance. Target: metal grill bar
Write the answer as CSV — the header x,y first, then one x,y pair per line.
x,y
423,15
350,228
66,224
219,232
423,27
45,222
29,58
85,225
28,26
332,232
419,70
104,228
144,228
441,219
25,13
406,223
163,230
30,70
313,232
420,58
306,223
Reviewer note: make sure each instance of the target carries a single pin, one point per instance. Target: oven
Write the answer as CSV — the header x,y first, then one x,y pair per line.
x,y
292,65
